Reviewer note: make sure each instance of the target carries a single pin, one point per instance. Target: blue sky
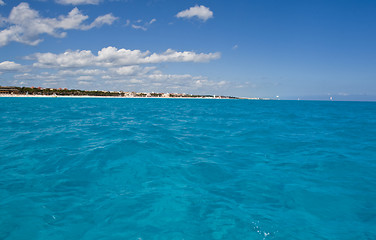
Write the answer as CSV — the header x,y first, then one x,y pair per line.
x,y
306,49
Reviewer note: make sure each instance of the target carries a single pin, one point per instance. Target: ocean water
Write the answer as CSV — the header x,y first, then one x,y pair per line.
x,y
186,169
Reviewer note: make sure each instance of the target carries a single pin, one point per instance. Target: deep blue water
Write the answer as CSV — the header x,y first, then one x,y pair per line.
x,y
186,169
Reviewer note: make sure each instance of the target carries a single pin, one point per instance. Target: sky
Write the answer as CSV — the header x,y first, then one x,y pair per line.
x,y
307,49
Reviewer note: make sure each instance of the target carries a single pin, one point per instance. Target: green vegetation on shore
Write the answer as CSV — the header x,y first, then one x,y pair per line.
x,y
77,92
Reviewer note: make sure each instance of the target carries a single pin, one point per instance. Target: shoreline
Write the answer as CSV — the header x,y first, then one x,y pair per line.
x,y
203,98
120,97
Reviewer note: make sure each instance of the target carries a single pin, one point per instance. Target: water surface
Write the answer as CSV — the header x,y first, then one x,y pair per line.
x,y
186,169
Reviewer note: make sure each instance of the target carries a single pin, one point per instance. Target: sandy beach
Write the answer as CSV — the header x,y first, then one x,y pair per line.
x,y
86,96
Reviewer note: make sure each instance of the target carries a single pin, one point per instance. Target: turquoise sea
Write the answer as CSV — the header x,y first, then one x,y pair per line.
x,y
186,169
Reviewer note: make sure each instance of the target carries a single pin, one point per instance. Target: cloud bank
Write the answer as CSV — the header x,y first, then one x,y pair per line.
x,y
9,66
78,2
113,69
113,57
200,12
25,25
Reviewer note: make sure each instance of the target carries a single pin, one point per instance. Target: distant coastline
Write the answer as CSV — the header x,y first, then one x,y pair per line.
x,y
90,96
75,93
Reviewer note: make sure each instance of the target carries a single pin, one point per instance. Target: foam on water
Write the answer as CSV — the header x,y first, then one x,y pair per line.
x,y
186,169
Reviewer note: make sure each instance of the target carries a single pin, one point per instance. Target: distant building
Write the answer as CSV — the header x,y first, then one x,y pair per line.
x,y
9,90
130,94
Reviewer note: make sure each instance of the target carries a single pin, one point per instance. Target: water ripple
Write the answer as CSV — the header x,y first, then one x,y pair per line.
x,y
186,169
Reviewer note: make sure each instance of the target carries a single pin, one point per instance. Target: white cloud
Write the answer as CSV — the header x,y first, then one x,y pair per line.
x,y
115,69
106,77
85,78
139,27
84,83
159,82
10,66
128,70
2,3
138,24
134,70
47,77
25,25
101,20
78,2
130,78
182,82
200,12
112,57
81,72
187,56
65,60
